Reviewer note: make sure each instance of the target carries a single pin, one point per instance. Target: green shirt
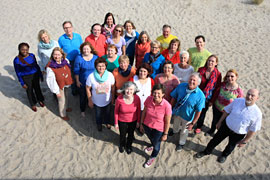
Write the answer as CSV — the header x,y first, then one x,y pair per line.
x,y
198,59
111,65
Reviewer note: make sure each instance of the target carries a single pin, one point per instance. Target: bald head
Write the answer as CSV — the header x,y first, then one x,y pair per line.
x,y
252,96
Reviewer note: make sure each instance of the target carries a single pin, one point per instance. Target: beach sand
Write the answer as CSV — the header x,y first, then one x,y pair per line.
x,y
42,146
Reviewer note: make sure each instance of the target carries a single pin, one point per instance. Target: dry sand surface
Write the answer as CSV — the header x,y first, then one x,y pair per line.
x,y
42,146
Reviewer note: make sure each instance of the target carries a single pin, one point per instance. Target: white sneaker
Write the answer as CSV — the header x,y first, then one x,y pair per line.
x,y
149,162
148,149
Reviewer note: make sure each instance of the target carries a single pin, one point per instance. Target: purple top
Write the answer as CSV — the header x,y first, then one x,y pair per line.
x,y
119,45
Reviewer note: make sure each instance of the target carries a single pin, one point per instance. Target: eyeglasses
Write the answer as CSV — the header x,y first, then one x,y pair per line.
x,y
67,27
117,30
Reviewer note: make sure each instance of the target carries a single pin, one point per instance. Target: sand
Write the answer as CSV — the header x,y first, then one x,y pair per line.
x,y
42,146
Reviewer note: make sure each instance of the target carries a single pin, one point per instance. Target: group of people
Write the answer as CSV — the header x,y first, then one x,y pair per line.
x,y
149,84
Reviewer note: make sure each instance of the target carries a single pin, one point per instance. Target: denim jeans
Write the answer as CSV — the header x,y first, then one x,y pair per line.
x,y
155,138
202,116
102,114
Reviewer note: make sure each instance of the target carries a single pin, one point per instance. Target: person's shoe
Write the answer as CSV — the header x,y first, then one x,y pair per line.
x,y
179,147
221,159
99,127
41,104
68,109
108,126
65,118
34,108
149,162
129,150
209,133
200,154
170,132
198,131
121,149
148,149
83,114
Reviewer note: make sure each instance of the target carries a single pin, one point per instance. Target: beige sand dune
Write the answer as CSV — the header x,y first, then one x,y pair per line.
x,y
42,146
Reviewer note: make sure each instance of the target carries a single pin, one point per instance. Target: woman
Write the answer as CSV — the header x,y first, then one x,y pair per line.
x,y
108,25
45,48
143,82
155,121
198,54
168,79
59,79
130,36
211,79
83,66
111,57
172,53
183,70
224,95
100,90
117,39
142,47
123,73
154,58
29,74
127,114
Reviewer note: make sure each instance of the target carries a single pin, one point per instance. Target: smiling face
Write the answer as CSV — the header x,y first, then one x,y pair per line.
x,y
192,82
128,27
68,29
200,44
143,73
144,38
211,62
252,96
96,30
45,38
111,52
57,56
24,51
129,92
184,59
158,95
231,78
166,32
109,21
174,46
101,67
86,50
124,65
167,69
117,32
155,49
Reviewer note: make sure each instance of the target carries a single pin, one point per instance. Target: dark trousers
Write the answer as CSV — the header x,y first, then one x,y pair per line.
x,y
222,133
102,114
216,116
155,139
126,128
74,89
202,116
32,82
83,98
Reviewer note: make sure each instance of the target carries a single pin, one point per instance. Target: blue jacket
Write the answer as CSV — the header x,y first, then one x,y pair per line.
x,y
157,65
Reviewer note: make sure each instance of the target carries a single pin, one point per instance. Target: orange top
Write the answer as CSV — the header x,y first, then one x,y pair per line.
x,y
140,51
175,58
120,80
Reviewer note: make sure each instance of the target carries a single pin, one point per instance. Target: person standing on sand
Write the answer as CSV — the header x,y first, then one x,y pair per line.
x,y
166,37
242,119
198,55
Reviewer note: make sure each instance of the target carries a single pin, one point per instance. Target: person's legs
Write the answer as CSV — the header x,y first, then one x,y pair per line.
x,y
62,103
98,114
176,124
233,140
28,80
83,98
123,128
74,88
130,131
36,86
156,140
183,132
216,116
202,117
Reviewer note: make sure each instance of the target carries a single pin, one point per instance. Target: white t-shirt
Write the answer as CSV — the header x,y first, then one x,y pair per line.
x,y
183,74
101,93
145,89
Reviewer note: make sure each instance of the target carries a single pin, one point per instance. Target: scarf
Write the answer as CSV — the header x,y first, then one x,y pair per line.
x,y
182,102
153,58
132,37
43,45
125,73
23,60
103,78
55,65
210,86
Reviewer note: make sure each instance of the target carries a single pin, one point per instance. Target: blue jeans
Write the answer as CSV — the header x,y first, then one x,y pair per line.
x,y
155,138
102,114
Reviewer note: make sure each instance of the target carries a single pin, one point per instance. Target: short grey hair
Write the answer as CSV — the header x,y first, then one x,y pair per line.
x,y
184,52
127,85
197,75
155,42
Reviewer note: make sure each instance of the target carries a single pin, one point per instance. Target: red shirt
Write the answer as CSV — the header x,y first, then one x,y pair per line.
x,y
155,114
175,59
99,45
127,112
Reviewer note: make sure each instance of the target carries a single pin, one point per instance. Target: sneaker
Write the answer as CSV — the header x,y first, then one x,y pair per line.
x,y
149,162
83,114
200,154
179,147
148,149
221,159
198,130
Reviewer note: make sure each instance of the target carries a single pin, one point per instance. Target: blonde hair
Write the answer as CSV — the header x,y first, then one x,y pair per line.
x,y
123,58
41,32
230,71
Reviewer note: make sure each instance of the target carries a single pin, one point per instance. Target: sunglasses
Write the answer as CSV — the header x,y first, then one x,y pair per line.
x,y
118,30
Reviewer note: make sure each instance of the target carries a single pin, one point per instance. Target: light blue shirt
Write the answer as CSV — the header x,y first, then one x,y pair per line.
x,y
194,103
70,46
242,118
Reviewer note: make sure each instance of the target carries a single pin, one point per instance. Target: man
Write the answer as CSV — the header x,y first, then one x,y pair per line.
x,y
190,102
70,43
243,119
97,40
198,54
166,38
